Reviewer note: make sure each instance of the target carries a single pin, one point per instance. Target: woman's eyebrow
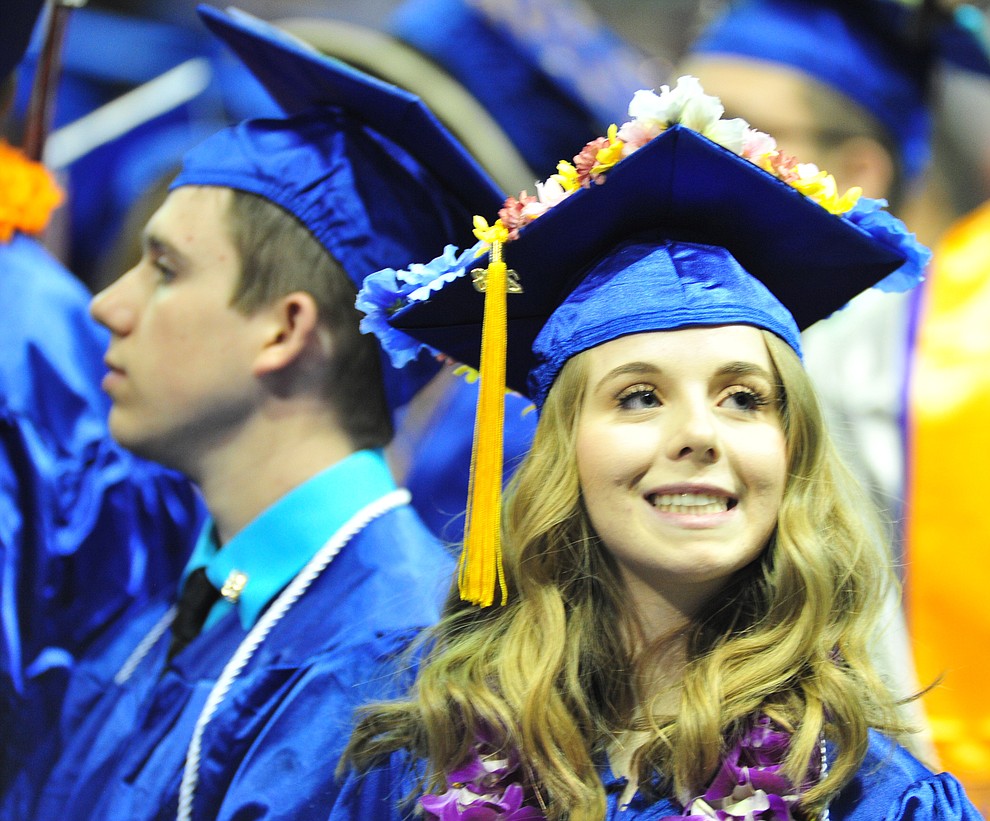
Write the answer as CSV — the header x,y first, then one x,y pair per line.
x,y
628,369
746,369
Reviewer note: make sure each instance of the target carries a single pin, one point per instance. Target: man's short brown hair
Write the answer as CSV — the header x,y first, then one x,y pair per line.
x,y
279,256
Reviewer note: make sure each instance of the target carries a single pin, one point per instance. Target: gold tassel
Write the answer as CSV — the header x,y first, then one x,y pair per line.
x,y
480,565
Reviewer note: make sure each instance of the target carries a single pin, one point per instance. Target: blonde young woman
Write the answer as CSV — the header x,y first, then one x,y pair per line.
x,y
689,578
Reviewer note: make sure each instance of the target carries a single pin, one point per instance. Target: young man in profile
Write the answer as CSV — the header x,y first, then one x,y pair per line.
x,y
236,358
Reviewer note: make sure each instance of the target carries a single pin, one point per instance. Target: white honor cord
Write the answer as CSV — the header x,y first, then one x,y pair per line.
x,y
271,617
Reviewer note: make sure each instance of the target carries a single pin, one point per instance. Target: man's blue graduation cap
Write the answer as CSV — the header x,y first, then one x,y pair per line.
x,y
878,53
362,164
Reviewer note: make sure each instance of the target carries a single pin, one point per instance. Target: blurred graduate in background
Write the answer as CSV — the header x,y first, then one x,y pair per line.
x,y
86,529
852,87
563,74
236,358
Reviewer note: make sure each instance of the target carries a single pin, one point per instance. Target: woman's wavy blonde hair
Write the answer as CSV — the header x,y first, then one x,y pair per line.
x,y
554,669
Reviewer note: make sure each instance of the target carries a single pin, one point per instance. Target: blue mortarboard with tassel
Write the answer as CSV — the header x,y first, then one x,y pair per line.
x,y
656,227
717,240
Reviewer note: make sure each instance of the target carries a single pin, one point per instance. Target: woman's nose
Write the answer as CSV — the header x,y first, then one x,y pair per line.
x,y
693,433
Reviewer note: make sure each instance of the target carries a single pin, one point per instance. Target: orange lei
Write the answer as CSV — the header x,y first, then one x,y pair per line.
x,y
28,194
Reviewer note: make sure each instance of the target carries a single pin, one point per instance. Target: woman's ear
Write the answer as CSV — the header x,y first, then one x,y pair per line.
x,y
863,161
291,328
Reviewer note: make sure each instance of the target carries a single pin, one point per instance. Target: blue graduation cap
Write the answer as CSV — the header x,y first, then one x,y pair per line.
x,y
876,52
682,232
548,71
362,164
718,239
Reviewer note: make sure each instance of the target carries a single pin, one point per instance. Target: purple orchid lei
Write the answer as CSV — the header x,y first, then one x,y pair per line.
x,y
486,788
750,785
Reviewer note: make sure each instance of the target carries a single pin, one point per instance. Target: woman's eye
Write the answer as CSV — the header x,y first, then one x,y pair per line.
x,y
745,399
639,397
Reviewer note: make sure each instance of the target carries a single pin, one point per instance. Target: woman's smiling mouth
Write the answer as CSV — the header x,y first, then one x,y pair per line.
x,y
698,504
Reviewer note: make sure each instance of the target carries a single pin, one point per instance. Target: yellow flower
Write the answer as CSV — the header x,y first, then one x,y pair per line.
x,y
28,194
489,233
840,205
821,187
608,156
566,177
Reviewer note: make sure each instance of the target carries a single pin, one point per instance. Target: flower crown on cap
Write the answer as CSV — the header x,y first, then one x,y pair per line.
x,y
686,104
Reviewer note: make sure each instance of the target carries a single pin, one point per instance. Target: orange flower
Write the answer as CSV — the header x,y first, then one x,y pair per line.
x,y
28,194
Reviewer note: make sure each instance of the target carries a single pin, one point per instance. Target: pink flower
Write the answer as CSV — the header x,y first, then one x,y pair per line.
x,y
588,159
514,213
637,133
756,144
783,166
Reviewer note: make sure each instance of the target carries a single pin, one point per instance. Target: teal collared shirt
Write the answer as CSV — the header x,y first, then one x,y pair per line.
x,y
276,545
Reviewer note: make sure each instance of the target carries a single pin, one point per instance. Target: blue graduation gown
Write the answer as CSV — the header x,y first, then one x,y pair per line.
x,y
891,785
86,529
271,748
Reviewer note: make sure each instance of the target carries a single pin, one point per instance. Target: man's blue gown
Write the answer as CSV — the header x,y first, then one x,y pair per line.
x,y
271,746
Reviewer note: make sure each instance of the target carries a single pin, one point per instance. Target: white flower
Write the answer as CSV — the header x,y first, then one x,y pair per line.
x,y
746,803
668,106
701,112
549,193
729,134
649,107
688,105
689,92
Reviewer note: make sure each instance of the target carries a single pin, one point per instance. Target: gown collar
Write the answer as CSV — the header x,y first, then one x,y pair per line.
x,y
270,551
